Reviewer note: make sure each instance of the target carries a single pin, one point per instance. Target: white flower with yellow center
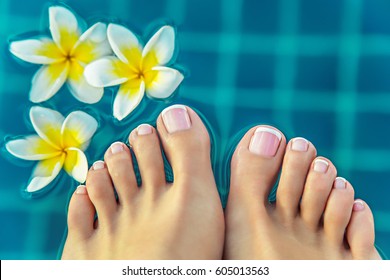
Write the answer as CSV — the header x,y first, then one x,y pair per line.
x,y
135,68
64,56
59,144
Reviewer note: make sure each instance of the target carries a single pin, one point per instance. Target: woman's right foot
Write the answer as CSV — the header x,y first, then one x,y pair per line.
x,y
315,215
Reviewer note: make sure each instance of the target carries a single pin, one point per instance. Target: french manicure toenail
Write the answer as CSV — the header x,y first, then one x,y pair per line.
x,y
358,205
98,165
299,144
81,190
340,183
176,118
144,129
265,141
117,147
320,166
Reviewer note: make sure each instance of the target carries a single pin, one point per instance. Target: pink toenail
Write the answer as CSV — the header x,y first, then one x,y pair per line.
x,y
265,141
299,144
320,166
81,190
144,129
358,205
117,147
176,118
340,183
98,165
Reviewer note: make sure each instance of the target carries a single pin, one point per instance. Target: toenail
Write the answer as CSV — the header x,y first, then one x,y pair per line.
x,y
340,183
144,129
299,144
98,165
320,166
358,205
265,141
176,118
81,190
116,147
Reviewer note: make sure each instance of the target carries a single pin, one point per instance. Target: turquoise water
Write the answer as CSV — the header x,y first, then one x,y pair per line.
x,y
317,69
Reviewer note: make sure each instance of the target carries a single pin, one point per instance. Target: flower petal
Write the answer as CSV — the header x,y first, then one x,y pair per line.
x,y
107,71
77,129
79,87
39,51
128,97
92,44
84,92
161,46
31,147
76,164
64,28
47,81
47,123
45,172
164,82
124,43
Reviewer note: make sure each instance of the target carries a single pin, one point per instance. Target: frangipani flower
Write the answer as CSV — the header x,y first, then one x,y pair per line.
x,y
59,144
135,68
64,56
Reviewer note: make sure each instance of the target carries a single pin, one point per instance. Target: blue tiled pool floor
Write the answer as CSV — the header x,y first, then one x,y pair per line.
x,y
317,69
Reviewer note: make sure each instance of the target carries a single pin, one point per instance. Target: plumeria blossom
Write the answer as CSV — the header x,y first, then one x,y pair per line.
x,y
135,68
59,143
64,56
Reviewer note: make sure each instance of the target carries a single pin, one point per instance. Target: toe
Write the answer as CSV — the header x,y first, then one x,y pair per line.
x,y
101,191
296,164
81,214
254,170
255,164
338,211
360,232
186,143
120,167
318,186
146,146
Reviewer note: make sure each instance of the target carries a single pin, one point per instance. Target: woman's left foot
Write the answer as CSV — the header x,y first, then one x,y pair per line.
x,y
159,220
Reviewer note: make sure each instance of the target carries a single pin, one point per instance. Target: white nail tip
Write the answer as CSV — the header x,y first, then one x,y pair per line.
x,y
99,164
323,161
143,125
300,138
341,178
178,106
269,130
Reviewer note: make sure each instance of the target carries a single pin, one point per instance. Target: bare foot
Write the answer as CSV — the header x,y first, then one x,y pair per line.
x,y
182,220
315,215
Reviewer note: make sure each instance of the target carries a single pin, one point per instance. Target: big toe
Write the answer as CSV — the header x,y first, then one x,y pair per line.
x,y
360,232
186,143
254,169
255,165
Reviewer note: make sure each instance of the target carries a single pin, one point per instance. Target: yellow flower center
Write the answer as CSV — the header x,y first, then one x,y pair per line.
x,y
140,75
69,57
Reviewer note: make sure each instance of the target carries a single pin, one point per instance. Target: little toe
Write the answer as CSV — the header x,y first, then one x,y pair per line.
x,y
256,163
338,211
101,191
146,146
120,167
318,186
361,233
186,143
296,165
81,214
